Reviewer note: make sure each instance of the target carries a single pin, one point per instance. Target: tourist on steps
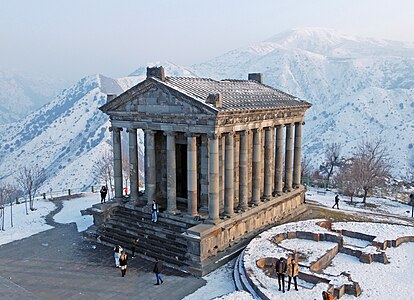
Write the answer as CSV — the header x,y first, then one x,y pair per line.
x,y
292,272
123,263
103,192
154,217
281,271
117,252
157,270
134,243
336,202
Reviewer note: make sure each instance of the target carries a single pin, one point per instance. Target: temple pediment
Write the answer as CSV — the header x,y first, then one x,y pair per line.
x,y
153,97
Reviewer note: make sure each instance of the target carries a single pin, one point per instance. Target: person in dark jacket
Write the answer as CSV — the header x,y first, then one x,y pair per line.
x,y
336,202
157,270
123,261
103,192
134,243
154,215
281,272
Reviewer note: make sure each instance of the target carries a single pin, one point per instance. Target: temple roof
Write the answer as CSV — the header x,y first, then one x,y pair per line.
x,y
236,94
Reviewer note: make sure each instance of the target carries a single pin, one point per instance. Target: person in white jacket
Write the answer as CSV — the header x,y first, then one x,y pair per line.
x,y
117,252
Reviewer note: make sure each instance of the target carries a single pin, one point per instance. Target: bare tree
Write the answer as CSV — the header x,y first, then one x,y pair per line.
x,y
30,179
410,170
306,167
103,169
347,181
371,166
332,160
7,192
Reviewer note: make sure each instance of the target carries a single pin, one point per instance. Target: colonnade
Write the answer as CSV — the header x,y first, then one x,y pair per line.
x,y
242,167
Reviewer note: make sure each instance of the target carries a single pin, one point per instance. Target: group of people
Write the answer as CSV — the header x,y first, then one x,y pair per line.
x,y
283,268
121,261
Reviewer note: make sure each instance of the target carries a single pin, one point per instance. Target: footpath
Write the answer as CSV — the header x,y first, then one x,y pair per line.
x,y
60,264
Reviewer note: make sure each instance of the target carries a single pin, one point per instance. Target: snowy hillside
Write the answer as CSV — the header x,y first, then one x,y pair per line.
x,y
21,94
360,88
65,136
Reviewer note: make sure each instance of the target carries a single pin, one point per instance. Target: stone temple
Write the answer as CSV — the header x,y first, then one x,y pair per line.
x,y
222,158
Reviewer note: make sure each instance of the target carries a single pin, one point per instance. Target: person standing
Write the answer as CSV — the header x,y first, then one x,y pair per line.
x,y
117,252
103,192
281,271
157,270
336,202
154,216
123,261
292,272
134,243
327,296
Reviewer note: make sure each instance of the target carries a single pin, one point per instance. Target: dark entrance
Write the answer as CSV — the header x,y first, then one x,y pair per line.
x,y
181,170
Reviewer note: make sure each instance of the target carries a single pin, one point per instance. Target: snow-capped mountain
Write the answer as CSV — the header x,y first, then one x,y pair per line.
x,y
66,136
360,88
21,94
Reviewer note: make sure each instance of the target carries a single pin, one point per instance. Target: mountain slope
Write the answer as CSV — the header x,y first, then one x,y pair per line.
x,y
360,88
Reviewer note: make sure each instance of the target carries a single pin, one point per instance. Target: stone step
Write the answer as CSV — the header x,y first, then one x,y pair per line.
x,y
148,252
176,223
134,222
148,239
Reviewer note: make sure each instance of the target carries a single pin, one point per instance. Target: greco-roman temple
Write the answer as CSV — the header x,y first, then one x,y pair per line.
x,y
222,158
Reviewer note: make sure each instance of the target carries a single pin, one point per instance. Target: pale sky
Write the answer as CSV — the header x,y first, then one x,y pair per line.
x,y
70,39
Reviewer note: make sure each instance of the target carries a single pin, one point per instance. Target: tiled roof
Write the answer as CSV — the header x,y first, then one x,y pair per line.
x,y
236,94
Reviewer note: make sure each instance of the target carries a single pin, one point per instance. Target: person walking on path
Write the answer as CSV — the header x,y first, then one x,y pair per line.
x,y
292,272
281,271
103,192
336,202
134,243
117,252
123,261
157,270
154,216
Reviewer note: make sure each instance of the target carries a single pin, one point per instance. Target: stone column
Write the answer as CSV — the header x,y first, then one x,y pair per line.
x,y
236,169
279,160
192,175
116,140
204,172
213,203
297,158
133,162
288,158
150,179
269,162
171,174
229,175
257,151
243,181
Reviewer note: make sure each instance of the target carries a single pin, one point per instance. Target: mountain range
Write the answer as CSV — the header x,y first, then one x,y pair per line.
x,y
360,88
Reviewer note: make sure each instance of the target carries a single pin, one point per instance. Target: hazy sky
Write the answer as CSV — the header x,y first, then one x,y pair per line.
x,y
73,38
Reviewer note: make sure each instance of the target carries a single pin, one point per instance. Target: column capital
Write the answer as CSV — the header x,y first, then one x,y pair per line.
x,y
131,130
258,129
191,134
214,135
169,133
115,129
149,131
245,132
231,133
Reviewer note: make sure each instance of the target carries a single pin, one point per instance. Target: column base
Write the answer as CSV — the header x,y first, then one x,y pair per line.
x,y
211,221
172,212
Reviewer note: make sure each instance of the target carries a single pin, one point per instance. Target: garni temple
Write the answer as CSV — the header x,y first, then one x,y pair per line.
x,y
222,159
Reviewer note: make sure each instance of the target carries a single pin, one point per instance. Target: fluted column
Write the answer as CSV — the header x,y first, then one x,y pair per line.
x,y
229,175
204,172
150,179
213,201
171,174
133,162
257,151
297,158
269,162
192,175
288,158
236,169
116,140
279,160
243,181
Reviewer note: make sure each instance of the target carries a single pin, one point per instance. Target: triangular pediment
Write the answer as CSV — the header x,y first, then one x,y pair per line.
x,y
152,96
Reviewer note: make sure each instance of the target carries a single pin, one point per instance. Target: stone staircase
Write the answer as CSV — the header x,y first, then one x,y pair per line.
x,y
163,240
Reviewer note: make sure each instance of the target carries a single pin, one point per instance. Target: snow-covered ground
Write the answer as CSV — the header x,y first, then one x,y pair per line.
x,y
378,281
